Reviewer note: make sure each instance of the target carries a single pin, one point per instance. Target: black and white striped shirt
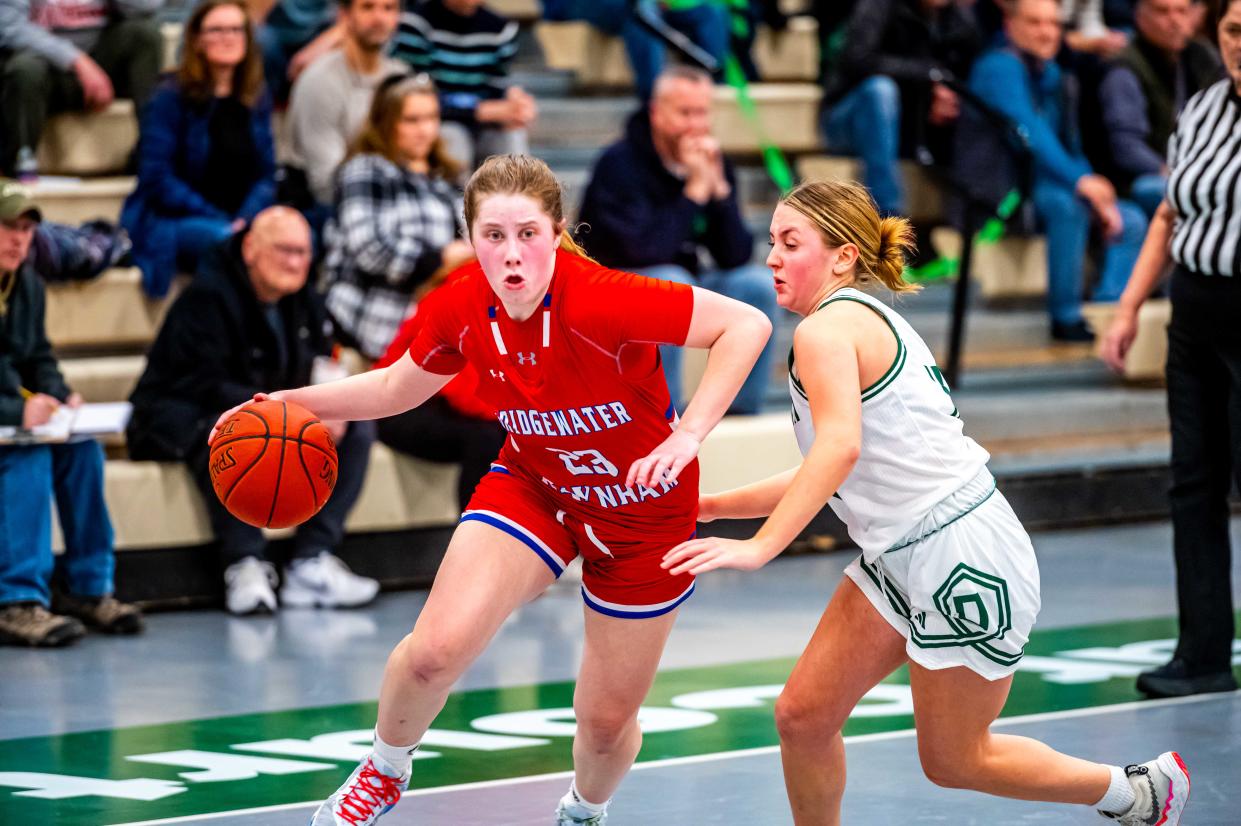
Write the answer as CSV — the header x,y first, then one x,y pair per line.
x,y
1204,182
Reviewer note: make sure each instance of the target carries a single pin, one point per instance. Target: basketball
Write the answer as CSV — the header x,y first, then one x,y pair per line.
x,y
273,464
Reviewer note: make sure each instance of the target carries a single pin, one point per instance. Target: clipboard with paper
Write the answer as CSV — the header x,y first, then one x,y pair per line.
x,y
72,423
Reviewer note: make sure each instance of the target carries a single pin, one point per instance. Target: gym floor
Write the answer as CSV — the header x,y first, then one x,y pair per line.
x,y
214,719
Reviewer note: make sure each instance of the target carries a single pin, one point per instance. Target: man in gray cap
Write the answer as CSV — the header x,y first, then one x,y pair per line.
x,y
31,390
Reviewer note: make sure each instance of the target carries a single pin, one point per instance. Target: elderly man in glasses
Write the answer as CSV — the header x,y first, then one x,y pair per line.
x,y
251,323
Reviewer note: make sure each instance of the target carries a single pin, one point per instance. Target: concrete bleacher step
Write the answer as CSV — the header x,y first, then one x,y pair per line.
x,y
523,11
788,117
1012,267
103,378
75,200
109,312
1147,356
82,143
568,123
923,196
598,60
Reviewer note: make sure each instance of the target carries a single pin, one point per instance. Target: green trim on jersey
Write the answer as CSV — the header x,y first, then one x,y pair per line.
x,y
894,369
965,512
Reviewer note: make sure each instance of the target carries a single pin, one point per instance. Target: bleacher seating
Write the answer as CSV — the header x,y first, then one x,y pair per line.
x,y
788,114
79,143
108,313
923,195
73,201
1146,358
1012,267
598,60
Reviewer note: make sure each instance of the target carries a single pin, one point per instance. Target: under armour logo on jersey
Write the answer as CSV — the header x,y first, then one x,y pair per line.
x,y
526,358
498,374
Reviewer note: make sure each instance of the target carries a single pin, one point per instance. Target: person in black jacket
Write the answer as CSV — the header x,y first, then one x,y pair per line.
x,y
249,323
31,390
663,194
879,97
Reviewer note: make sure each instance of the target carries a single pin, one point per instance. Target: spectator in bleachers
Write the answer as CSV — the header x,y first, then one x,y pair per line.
x,y
880,100
70,55
664,194
705,24
453,426
250,323
31,390
466,49
1086,31
330,100
1022,81
1147,85
292,34
206,160
398,215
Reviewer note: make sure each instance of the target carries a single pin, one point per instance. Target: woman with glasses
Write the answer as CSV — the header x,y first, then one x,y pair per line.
x,y
206,160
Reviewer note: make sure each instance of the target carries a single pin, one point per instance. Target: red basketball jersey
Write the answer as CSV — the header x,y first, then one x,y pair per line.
x,y
578,386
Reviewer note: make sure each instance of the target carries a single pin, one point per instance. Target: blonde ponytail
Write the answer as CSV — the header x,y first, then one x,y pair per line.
x,y
844,213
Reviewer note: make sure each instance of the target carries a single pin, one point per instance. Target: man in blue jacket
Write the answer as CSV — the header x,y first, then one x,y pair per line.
x,y
662,196
1021,80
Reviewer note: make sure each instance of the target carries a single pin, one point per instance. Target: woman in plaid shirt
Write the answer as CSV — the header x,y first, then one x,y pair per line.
x,y
398,215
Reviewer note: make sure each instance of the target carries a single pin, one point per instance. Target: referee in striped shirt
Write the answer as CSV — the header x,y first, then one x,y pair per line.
x,y
1198,226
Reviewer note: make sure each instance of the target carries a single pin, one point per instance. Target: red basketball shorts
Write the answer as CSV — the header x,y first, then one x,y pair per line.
x,y
621,576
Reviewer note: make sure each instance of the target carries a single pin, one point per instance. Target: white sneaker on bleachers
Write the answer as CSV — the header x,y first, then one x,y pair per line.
x,y
324,581
249,587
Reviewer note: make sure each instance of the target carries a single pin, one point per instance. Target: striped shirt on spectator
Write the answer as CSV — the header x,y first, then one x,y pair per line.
x,y
467,57
1204,182
384,241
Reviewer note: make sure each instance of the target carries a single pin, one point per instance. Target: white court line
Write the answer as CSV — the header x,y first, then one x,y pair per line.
x,y
1003,722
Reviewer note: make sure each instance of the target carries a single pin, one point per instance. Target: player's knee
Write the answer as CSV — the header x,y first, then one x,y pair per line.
x,y
799,717
946,769
430,662
604,728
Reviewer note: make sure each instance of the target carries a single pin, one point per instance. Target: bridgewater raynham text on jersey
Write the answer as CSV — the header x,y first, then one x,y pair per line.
x,y
571,421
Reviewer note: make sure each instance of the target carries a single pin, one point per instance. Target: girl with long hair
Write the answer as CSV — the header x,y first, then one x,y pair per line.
x,y
597,463
947,581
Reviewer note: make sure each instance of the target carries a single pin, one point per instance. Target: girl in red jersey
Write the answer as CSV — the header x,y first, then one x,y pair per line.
x,y
597,463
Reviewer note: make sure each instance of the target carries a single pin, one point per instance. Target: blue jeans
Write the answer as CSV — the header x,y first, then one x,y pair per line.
x,y
867,122
706,25
1065,218
29,478
749,284
196,236
1148,192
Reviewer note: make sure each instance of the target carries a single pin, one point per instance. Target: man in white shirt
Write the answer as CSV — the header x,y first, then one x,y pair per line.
x,y
330,100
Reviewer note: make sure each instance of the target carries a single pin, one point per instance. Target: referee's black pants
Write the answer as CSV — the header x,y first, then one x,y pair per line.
x,y
1204,406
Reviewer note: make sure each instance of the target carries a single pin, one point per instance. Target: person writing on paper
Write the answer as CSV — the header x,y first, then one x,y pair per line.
x,y
31,389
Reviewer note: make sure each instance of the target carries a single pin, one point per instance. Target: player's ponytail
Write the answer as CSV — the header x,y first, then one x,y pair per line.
x,y
844,213
519,175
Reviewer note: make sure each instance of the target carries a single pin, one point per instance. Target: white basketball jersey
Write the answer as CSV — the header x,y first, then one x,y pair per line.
x,y
914,453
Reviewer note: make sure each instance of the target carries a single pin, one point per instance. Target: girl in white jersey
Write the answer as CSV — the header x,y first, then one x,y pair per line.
x,y
947,580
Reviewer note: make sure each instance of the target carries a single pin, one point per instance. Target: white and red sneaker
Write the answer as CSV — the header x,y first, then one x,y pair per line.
x,y
369,792
1162,790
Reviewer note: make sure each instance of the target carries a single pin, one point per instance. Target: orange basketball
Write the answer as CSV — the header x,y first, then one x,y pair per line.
x,y
273,464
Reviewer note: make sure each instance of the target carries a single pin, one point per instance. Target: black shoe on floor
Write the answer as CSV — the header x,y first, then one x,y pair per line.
x,y
1175,680
1071,331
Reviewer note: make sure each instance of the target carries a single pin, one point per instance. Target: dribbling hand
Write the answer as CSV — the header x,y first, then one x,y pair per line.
x,y
227,414
697,556
665,463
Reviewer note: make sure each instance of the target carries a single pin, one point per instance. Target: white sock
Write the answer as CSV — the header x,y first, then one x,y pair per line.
x,y
1120,795
397,758
577,806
